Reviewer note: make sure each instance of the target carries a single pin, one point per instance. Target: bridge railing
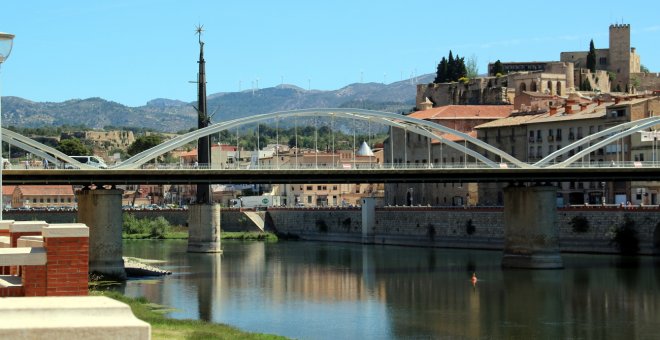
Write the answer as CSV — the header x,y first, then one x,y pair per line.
x,y
349,165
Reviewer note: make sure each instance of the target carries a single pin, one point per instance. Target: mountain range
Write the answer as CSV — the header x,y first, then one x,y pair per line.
x,y
169,115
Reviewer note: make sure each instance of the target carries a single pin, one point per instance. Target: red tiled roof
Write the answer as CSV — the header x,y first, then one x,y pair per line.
x,y
8,190
225,147
46,190
464,112
454,138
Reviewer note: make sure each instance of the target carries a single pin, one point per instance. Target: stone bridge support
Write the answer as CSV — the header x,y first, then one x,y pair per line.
x,y
204,228
531,234
100,210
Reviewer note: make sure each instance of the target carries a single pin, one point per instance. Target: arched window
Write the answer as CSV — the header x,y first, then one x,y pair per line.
x,y
558,88
532,87
523,87
549,87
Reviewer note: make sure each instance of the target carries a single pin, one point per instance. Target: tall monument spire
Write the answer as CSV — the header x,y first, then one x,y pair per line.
x,y
203,143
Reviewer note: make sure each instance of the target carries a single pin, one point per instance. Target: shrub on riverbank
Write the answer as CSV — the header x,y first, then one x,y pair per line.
x,y
249,236
625,237
138,228
163,327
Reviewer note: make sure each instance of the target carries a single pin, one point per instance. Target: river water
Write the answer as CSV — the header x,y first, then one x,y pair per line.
x,y
313,290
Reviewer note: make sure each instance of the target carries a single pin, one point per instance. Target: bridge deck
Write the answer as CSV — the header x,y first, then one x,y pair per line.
x,y
190,176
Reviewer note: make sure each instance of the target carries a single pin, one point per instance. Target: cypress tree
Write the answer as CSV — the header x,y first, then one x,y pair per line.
x,y
450,67
441,74
591,57
498,68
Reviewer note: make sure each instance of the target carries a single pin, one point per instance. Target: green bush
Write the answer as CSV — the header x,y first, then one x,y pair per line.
x,y
159,227
469,227
153,228
580,224
625,237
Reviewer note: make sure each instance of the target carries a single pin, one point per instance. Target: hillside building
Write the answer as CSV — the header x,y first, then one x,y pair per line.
x,y
422,151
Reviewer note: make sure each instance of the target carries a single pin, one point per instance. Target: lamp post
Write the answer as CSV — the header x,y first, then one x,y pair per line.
x,y
6,43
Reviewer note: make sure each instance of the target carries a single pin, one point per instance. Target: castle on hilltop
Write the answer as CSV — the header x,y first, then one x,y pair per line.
x,y
618,69
620,58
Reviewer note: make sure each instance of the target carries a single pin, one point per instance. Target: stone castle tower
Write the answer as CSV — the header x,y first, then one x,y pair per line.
x,y
623,59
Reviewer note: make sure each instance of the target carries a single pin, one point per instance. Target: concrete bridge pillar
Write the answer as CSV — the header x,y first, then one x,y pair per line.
x,y
204,228
100,210
368,219
531,234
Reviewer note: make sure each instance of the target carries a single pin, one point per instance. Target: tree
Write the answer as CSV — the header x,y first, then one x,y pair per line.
x,y
472,70
73,147
644,69
451,69
441,73
498,68
591,57
143,143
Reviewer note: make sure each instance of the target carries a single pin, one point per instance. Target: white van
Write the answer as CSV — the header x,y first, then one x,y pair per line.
x,y
94,161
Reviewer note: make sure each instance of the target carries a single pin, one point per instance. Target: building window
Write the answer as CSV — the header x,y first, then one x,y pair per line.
x,y
579,132
531,136
558,137
310,188
538,136
309,199
602,61
539,152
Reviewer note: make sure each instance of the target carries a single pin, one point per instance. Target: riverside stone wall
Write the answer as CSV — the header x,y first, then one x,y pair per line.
x,y
433,227
465,228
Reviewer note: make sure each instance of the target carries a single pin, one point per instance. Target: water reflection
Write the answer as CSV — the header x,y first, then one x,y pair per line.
x,y
333,290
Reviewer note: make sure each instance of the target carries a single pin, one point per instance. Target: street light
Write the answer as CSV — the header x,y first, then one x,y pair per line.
x,y
6,43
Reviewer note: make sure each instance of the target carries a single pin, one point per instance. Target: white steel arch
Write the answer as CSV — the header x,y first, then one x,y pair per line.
x,y
636,125
649,123
419,126
39,149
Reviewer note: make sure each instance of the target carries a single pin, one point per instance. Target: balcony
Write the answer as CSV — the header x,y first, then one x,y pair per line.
x,y
551,138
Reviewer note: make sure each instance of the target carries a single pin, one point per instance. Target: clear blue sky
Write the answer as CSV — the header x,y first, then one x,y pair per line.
x,y
132,51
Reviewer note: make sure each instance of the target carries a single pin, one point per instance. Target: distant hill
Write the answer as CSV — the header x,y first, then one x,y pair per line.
x,y
173,115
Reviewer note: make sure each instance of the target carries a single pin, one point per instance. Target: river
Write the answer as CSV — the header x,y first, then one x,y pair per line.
x,y
315,290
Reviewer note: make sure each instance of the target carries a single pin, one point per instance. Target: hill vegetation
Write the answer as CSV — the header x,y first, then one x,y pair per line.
x,y
167,115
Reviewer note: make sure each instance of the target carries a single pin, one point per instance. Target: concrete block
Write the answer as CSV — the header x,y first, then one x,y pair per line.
x,y
27,226
53,318
65,230
22,256
30,241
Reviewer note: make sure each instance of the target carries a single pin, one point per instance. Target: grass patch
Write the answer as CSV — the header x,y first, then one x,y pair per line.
x,y
249,236
163,327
